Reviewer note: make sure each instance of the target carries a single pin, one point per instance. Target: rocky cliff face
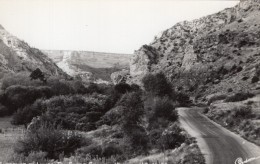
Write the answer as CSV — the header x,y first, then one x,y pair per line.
x,y
89,66
18,56
219,49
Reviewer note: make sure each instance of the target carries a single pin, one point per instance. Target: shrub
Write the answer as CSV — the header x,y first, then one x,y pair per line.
x,y
171,138
38,74
162,108
239,97
20,96
61,87
255,79
113,116
37,157
50,140
71,112
241,112
23,116
122,88
183,99
19,79
134,133
205,110
93,150
111,149
157,84
3,111
216,98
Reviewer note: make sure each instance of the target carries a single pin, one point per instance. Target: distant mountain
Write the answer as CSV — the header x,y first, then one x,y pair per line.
x,y
216,53
89,66
18,56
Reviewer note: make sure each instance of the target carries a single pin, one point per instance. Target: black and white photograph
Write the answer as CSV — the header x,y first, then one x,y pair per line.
x,y
129,81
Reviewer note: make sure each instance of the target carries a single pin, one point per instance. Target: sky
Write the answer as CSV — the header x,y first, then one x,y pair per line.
x,y
116,26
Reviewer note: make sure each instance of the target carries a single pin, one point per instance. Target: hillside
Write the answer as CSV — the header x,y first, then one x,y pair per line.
x,y
216,53
18,56
96,66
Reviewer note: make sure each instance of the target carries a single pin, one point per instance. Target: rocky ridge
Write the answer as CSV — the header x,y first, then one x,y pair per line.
x,y
210,54
89,66
18,56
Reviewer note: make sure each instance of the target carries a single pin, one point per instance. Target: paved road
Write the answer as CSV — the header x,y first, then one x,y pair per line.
x,y
219,145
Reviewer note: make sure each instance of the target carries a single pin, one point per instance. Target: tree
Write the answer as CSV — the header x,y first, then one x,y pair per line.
x,y
38,74
133,109
157,84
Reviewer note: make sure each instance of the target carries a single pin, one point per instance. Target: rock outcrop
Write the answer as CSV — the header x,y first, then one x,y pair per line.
x,y
216,49
120,76
89,66
18,56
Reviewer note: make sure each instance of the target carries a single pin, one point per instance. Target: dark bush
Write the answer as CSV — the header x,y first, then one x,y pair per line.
x,y
154,136
205,110
134,133
171,138
93,150
241,112
239,97
216,98
157,84
20,96
161,108
3,111
255,79
50,140
113,116
230,90
111,149
183,99
19,79
61,87
122,88
23,116
38,74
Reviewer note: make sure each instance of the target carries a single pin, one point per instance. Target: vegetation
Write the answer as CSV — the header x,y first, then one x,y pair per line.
x,y
239,119
157,84
239,97
58,112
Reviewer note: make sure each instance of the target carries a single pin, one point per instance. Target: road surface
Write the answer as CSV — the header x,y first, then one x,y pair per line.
x,y
219,145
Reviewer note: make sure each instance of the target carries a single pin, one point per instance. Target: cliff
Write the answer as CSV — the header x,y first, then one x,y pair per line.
x,y
210,54
18,56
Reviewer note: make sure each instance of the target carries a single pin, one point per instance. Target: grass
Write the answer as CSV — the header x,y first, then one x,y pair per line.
x,y
241,117
188,154
8,137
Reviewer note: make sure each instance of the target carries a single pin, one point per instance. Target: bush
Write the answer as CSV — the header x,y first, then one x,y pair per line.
x,y
134,133
161,108
61,87
113,116
241,112
122,88
183,99
216,98
50,140
93,150
71,112
255,79
110,150
157,84
23,116
19,79
3,111
205,110
37,157
171,138
239,97
20,96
